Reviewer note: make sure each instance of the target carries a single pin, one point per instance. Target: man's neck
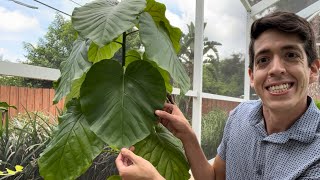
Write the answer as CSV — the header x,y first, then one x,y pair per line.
x,y
281,120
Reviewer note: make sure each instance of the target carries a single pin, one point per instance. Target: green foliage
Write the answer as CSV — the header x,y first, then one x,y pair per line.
x,y
24,139
212,130
111,101
317,103
224,77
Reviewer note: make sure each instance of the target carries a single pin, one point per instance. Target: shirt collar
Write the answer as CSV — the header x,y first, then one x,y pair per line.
x,y
303,130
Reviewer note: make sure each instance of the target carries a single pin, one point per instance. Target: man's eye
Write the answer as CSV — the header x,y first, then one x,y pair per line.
x,y
292,55
262,60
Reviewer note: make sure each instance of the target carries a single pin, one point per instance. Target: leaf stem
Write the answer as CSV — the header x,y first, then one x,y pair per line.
x,y
132,32
124,35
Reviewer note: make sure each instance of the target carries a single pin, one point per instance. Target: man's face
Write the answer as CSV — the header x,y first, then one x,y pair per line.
x,y
280,74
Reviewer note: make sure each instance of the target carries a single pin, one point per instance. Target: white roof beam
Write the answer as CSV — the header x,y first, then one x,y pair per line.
x,y
28,71
310,10
262,5
246,5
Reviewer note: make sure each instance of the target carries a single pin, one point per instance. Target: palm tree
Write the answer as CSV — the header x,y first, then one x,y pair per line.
x,y
186,55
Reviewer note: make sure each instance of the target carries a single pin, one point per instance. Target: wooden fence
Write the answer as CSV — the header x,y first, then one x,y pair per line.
x,y
30,99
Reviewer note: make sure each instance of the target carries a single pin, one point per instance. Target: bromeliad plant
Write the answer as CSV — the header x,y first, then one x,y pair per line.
x,y
112,101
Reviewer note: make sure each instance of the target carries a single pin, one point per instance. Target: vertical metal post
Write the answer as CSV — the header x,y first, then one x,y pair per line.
x,y
246,63
197,69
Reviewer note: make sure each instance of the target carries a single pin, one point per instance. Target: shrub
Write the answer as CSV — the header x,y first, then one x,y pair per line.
x,y
212,130
23,139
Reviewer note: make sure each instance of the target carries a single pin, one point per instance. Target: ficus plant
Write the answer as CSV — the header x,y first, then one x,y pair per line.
x,y
112,101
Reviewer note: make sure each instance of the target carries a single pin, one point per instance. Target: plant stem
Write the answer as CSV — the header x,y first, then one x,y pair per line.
x,y
124,35
132,32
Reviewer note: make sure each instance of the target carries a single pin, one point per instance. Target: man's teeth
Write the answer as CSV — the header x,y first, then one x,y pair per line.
x,y
279,88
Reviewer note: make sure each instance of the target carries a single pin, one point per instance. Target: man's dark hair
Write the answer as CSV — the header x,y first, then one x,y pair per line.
x,y
289,23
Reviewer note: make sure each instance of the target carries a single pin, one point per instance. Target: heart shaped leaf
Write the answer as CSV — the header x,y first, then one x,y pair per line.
x,y
120,106
158,48
103,21
73,147
165,152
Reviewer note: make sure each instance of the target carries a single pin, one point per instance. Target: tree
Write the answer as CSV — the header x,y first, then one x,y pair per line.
x,y
225,77
186,55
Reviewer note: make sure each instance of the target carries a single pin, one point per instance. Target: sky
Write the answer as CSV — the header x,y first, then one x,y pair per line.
x,y
226,23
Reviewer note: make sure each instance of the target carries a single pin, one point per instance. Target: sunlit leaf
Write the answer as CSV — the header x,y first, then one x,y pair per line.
x,y
158,48
131,56
72,149
97,54
157,11
120,106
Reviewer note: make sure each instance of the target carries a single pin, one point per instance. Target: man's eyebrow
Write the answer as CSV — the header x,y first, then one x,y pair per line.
x,y
291,46
286,47
262,51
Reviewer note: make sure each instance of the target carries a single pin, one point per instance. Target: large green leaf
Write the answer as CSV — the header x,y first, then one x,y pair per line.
x,y
73,147
102,21
165,152
157,11
134,55
73,68
97,54
158,48
120,106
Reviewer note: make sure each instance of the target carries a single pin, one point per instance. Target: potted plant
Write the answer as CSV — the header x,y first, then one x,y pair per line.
x,y
112,101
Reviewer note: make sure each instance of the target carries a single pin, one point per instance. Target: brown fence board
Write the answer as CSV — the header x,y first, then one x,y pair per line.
x,y
30,99
23,93
14,100
38,104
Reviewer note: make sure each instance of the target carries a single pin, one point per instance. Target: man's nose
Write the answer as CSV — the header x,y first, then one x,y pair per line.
x,y
277,66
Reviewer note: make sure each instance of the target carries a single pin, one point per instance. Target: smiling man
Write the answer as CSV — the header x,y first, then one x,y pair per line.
x,y
276,137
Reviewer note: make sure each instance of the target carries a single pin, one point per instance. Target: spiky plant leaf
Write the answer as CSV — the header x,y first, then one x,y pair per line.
x,y
158,48
120,105
157,11
102,21
165,152
72,69
97,54
73,147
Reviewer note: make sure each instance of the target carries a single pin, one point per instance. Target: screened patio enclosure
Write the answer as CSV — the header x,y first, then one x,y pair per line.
x,y
227,26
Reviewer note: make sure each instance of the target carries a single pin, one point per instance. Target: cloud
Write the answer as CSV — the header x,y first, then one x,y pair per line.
x,y
226,22
15,21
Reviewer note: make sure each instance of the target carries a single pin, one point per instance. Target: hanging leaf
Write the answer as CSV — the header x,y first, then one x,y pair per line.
x,y
103,21
72,149
157,11
158,48
97,54
120,106
72,69
165,152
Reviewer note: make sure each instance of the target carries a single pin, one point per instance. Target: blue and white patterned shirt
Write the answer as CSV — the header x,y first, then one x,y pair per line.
x,y
250,153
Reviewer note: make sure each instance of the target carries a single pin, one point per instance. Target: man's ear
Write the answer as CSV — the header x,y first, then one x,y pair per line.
x,y
250,72
314,71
